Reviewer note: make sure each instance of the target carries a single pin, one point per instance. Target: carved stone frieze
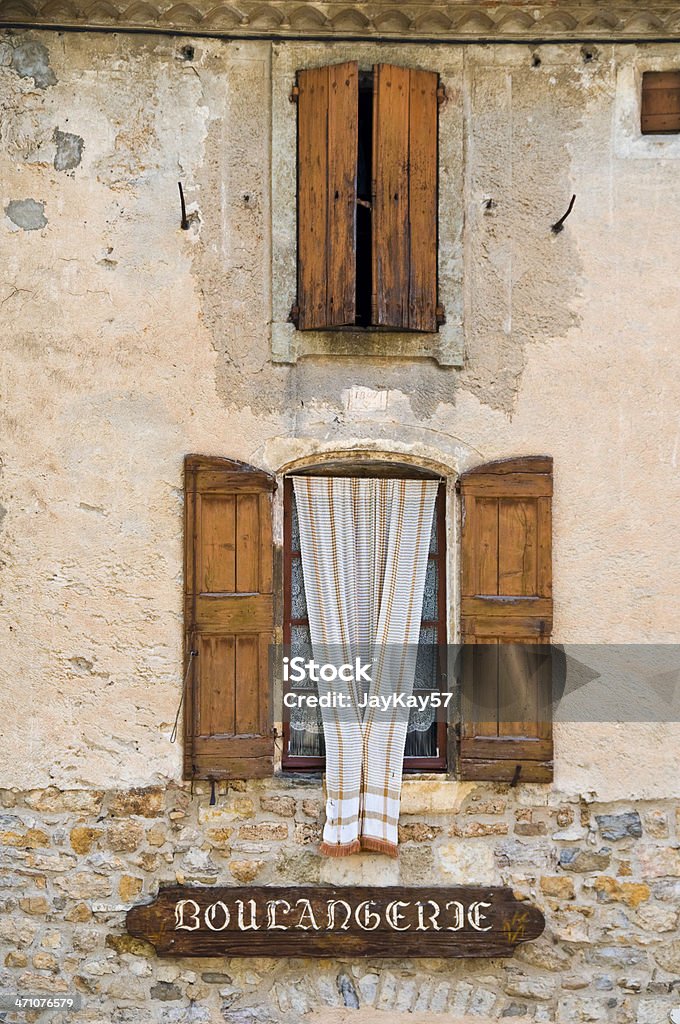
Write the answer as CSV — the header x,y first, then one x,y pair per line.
x,y
342,19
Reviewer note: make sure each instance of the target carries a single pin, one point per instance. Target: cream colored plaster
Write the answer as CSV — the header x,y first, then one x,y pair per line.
x,y
129,342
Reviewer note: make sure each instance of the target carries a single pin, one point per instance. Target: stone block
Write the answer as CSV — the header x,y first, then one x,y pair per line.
x,y
655,918
308,833
166,991
245,871
145,803
668,956
84,885
434,797
129,888
584,861
284,806
235,808
478,829
83,838
129,944
55,801
299,867
156,835
530,987
539,856
531,828
485,805
418,832
660,862
125,836
467,863
619,826
610,889
36,905
558,887
264,830
220,838
45,962
656,824
15,958
31,839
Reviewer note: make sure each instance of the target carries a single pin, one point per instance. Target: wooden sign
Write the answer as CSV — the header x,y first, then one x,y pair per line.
x,y
329,921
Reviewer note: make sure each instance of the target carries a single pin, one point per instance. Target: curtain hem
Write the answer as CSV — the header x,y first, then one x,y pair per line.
x,y
379,846
340,849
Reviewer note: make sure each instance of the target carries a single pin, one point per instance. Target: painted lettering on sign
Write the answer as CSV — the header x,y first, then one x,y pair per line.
x,y
278,914
262,921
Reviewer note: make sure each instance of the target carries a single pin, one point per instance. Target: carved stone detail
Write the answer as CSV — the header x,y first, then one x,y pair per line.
x,y
341,19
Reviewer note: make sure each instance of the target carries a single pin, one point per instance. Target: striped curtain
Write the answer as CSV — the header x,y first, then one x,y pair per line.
x,y
364,545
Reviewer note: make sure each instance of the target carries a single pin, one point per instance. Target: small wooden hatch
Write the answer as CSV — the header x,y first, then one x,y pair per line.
x,y
660,102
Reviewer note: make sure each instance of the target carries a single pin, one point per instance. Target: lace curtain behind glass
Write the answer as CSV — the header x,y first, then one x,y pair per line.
x,y
306,728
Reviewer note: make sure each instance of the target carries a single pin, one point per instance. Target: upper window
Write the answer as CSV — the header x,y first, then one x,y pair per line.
x,y
367,198
660,103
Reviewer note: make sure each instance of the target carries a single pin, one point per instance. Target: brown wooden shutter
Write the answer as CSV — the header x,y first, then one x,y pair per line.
x,y
229,619
506,619
660,103
404,198
328,141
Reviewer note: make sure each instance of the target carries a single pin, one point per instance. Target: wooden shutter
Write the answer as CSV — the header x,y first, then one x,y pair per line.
x,y
506,621
404,198
660,102
229,619
328,141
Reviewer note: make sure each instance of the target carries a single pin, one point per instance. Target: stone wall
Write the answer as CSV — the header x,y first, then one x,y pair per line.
x,y
607,877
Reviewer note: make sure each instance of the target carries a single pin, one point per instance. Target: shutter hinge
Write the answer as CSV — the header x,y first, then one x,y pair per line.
x,y
294,315
294,94
441,94
440,315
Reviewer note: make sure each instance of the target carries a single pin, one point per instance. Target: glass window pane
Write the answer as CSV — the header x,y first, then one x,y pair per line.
x,y
430,598
298,601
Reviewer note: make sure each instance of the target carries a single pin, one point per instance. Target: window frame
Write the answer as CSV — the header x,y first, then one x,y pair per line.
x,y
447,346
439,763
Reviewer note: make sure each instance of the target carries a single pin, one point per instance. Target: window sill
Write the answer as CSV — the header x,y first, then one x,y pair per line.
x,y
445,346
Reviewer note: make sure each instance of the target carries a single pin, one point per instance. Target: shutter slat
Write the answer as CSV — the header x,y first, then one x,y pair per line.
x,y
229,619
506,621
404,225
328,111
423,119
391,258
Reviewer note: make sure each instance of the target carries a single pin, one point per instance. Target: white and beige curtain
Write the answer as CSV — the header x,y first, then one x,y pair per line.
x,y
364,546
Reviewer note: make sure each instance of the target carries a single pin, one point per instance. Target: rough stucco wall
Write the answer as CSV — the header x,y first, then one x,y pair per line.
x,y
129,342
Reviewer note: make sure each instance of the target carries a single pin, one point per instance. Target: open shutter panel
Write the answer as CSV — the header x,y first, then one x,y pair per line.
x,y
229,619
506,621
328,112
404,198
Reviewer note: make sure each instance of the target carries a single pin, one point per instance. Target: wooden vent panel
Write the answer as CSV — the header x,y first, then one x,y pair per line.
x,y
661,102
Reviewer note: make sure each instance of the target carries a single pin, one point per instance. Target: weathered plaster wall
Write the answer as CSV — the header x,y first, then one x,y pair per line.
x,y
128,342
